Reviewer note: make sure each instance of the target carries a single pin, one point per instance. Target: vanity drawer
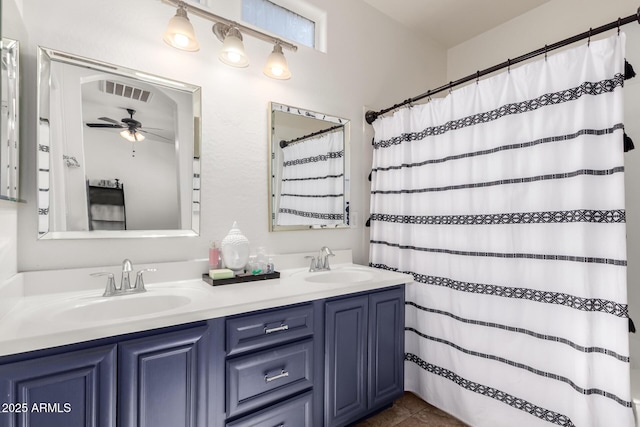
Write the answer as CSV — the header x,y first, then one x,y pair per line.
x,y
266,376
255,331
294,412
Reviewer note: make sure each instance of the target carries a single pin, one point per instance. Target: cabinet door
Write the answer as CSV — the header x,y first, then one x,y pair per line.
x,y
386,347
346,358
162,380
75,389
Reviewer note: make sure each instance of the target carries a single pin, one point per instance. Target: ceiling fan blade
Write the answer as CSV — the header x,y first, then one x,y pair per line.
x,y
107,119
103,125
155,134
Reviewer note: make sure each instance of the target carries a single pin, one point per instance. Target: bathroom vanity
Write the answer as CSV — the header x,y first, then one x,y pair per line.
x,y
311,354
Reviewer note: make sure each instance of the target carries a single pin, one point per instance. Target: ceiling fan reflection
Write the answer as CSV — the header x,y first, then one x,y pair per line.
x,y
132,129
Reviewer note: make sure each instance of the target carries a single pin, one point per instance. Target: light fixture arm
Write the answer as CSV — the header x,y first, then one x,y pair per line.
x,y
203,13
221,30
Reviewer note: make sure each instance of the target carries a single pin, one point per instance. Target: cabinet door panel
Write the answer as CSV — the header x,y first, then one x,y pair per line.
x,y
386,347
75,389
346,352
162,380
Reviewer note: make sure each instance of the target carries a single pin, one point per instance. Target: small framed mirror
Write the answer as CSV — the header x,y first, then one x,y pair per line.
x,y
10,123
309,169
118,151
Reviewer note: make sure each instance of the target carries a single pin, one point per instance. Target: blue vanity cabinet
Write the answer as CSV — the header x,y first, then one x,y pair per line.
x,y
170,377
72,389
364,354
271,367
325,362
163,380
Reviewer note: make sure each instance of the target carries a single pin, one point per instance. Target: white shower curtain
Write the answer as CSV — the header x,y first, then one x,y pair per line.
x,y
505,201
312,189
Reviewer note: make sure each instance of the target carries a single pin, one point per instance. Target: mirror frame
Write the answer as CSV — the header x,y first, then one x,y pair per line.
x,y
10,182
44,58
277,107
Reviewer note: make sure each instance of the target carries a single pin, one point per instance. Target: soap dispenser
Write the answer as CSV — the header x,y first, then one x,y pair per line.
x,y
214,256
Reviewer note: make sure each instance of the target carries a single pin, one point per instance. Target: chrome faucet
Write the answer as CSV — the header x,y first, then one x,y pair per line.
x,y
321,262
323,258
125,281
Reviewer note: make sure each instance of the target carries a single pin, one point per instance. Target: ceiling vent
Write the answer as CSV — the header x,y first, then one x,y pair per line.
x,y
131,92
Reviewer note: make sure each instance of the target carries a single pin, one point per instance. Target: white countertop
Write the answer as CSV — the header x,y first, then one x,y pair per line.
x,y
40,320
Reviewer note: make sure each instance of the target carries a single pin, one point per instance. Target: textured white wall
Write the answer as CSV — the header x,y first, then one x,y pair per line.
x,y
551,22
370,61
546,24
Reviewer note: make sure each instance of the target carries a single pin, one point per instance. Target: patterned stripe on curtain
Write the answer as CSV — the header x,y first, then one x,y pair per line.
x,y
505,201
312,189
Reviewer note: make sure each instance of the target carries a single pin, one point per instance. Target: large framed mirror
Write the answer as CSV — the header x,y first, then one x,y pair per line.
x,y
9,124
118,151
309,169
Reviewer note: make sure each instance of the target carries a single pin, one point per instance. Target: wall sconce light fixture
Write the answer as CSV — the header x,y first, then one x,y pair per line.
x,y
232,52
276,66
180,35
180,32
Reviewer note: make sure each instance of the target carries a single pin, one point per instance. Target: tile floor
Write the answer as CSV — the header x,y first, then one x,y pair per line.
x,y
411,411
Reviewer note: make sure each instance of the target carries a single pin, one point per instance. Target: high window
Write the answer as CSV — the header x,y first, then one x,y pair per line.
x,y
295,22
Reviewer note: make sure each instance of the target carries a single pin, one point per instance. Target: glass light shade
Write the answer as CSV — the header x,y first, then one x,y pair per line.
x,y
276,66
232,52
180,32
131,136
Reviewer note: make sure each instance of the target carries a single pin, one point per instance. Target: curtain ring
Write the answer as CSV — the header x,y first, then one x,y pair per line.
x,y
618,25
508,65
545,52
477,76
589,41
450,87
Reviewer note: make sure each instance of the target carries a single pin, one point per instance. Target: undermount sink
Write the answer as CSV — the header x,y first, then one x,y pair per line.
x,y
100,309
350,274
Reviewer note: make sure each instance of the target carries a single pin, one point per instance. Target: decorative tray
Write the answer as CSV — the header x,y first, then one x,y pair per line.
x,y
246,277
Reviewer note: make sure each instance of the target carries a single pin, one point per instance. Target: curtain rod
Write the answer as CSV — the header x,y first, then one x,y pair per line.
x,y
284,143
371,116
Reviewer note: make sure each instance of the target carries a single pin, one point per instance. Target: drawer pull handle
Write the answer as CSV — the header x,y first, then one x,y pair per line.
x,y
282,374
280,425
282,327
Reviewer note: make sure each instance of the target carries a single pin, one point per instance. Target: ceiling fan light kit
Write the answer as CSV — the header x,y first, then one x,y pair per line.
x,y
131,136
132,129
180,34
